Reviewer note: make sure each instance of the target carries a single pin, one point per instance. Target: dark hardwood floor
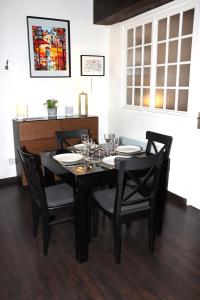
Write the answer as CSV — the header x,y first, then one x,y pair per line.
x,y
173,272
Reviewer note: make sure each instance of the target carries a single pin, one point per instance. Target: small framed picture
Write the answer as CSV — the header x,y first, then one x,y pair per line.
x,y
49,47
92,65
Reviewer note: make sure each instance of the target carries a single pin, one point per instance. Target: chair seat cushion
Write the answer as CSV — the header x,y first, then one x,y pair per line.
x,y
106,200
60,194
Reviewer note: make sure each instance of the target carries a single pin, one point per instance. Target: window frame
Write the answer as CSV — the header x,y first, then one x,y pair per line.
x,y
165,11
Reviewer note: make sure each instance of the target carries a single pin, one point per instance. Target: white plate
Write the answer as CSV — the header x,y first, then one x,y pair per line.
x,y
110,160
66,158
79,146
127,149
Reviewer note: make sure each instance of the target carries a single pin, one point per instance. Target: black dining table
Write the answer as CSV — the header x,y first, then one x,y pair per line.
x,y
85,177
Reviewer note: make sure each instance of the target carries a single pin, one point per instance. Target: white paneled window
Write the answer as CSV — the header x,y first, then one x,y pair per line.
x,y
158,58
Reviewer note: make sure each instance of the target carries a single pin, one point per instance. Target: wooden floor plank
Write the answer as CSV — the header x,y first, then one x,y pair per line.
x,y
171,273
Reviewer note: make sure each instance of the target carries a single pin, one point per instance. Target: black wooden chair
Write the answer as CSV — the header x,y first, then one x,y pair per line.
x,y
160,143
154,140
48,202
64,137
124,203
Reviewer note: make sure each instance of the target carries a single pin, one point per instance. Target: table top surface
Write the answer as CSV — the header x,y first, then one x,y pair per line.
x,y
81,168
84,167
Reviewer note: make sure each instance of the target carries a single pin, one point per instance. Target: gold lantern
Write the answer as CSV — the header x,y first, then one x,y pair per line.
x,y
83,104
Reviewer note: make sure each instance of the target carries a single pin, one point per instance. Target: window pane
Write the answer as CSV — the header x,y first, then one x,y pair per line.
x,y
174,26
147,37
146,77
186,45
183,100
162,29
173,51
137,97
146,97
130,38
159,98
129,80
129,96
138,56
161,53
129,77
160,76
138,76
170,99
171,76
184,75
188,17
130,58
147,55
138,35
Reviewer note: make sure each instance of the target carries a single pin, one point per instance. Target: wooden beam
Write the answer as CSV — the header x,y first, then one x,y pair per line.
x,y
108,12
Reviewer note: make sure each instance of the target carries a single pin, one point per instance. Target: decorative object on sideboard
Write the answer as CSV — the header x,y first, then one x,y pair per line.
x,y
83,104
51,105
21,112
49,47
69,110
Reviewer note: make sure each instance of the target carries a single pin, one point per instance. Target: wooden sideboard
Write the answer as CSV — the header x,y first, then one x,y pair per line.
x,y
37,134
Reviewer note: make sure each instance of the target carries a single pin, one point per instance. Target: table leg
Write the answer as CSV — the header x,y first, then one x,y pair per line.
x,y
81,222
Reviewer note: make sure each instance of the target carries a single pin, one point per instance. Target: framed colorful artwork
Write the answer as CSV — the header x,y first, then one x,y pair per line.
x,y
49,47
92,65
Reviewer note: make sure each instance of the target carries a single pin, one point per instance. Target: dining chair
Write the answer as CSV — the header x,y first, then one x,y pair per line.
x,y
124,203
159,143
64,137
156,143
47,202
154,140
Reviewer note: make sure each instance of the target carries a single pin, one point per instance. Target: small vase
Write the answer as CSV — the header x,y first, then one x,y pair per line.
x,y
52,112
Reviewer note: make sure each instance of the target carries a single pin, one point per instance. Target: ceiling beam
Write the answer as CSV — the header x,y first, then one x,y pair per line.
x,y
108,12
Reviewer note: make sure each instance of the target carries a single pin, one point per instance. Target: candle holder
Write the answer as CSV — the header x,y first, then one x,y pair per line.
x,y
83,104
22,112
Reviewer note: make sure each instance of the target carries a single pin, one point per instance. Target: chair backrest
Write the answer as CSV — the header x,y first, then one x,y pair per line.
x,y
142,171
33,176
63,137
164,140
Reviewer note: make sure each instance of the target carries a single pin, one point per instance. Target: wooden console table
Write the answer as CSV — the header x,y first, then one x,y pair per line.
x,y
38,134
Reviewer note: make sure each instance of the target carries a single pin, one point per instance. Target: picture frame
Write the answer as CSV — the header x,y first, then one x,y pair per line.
x,y
92,65
49,47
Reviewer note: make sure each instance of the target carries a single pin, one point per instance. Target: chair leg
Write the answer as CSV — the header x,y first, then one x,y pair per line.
x,y
46,234
36,217
95,225
151,234
128,225
117,243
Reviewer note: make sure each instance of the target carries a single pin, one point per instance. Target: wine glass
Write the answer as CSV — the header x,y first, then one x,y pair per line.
x,y
85,138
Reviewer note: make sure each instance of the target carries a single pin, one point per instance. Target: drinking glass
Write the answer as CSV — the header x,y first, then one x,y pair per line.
x,y
108,138
92,148
115,143
85,140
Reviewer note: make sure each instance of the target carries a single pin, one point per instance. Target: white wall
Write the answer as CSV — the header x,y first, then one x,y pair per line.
x,y
17,87
184,177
